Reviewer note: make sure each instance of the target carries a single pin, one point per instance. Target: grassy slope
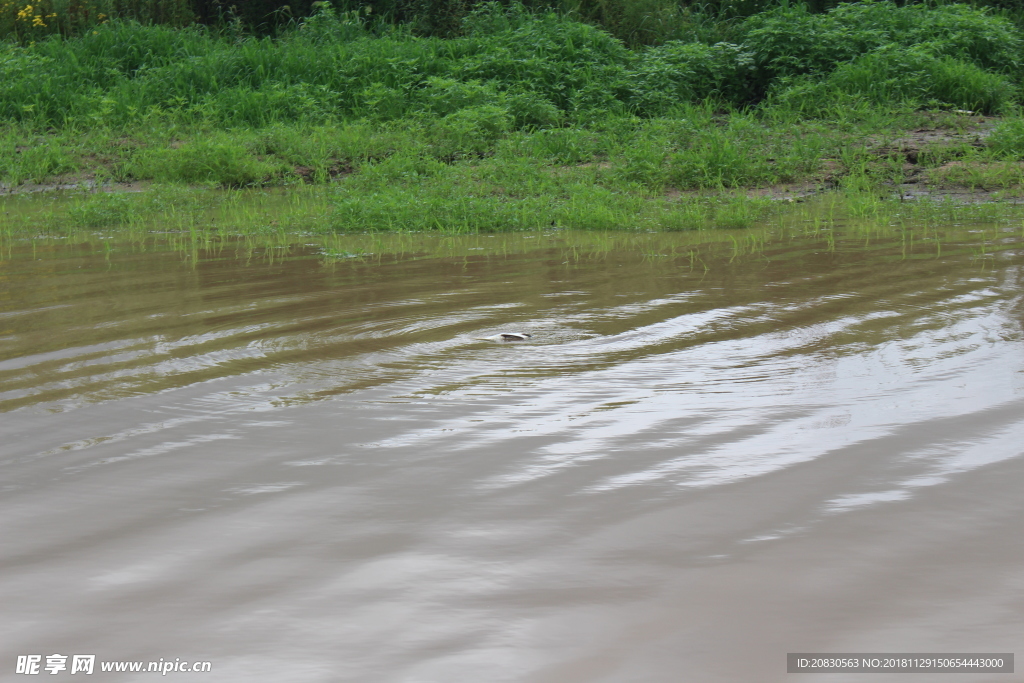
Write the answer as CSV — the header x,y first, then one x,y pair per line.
x,y
525,121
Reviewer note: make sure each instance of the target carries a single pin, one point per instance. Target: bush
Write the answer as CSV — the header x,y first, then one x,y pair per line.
x,y
915,76
543,53
539,68
443,96
202,161
790,41
677,73
103,209
470,131
1007,140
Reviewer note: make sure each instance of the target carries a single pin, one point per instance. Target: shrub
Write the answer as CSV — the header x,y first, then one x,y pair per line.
x,y
204,160
675,73
790,41
543,53
103,209
916,76
531,109
443,96
470,131
539,68
1007,140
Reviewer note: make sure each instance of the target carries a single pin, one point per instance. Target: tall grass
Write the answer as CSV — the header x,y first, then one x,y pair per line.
x,y
693,147
525,118
509,64
789,40
23,21
894,75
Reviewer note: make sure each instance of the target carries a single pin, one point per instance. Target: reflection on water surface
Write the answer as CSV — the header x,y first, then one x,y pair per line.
x,y
710,453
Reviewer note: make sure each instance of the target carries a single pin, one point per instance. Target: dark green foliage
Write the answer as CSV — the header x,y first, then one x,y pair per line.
x,y
537,67
917,55
654,22
915,76
1007,139
510,67
260,16
559,59
678,72
791,41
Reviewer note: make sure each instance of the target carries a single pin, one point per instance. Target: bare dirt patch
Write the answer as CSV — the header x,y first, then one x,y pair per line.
x,y
950,136
309,175
71,183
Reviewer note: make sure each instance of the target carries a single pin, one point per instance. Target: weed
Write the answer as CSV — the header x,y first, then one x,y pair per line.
x,y
1007,140
521,116
541,68
104,210
915,76
214,160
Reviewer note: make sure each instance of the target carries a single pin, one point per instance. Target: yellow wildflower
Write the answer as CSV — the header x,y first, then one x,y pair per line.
x,y
25,13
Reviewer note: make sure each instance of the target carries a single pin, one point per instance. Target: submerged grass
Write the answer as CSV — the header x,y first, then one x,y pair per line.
x,y
273,217
460,204
255,226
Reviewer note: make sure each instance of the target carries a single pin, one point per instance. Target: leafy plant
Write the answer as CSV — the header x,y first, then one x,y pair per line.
x,y
790,41
666,76
204,160
1007,140
916,76
103,209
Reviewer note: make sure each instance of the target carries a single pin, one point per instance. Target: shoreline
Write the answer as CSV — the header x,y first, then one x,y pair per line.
x,y
941,155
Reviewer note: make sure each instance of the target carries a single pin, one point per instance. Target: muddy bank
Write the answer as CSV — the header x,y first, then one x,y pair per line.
x,y
943,157
909,161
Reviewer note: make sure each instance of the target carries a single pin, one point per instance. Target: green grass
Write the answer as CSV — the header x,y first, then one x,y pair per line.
x,y
472,200
693,170
272,225
508,67
520,120
693,147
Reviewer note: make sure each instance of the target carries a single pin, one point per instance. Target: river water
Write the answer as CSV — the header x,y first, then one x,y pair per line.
x,y
308,469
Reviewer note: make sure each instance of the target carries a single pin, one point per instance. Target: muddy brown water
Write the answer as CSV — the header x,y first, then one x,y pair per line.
x,y
309,470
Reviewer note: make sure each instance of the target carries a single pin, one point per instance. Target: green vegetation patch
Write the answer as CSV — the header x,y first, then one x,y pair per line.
x,y
519,118
538,68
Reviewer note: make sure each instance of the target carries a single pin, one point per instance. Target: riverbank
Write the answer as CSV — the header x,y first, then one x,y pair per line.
x,y
523,120
734,170
774,156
